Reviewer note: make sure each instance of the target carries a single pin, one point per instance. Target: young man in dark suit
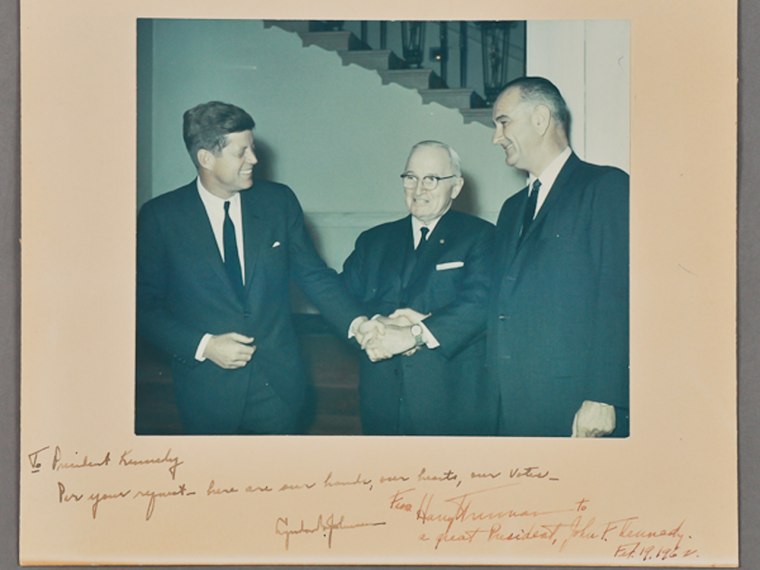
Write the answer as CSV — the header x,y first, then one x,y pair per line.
x,y
214,260
558,318
429,271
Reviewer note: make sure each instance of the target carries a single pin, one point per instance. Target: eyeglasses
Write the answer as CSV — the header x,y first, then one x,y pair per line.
x,y
429,182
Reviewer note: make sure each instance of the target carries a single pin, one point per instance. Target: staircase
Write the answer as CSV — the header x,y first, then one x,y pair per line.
x,y
391,69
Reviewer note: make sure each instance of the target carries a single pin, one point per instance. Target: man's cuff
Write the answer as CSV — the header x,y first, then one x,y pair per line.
x,y
202,347
352,328
428,338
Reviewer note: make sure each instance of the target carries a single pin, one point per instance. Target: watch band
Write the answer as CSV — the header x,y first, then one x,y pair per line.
x,y
417,331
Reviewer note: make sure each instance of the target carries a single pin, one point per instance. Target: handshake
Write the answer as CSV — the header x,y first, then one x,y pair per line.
x,y
385,336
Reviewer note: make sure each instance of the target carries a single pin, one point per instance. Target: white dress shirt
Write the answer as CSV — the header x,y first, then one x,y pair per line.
x,y
215,211
214,206
548,177
417,225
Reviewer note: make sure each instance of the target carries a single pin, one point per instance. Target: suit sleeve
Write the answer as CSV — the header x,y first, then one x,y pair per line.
x,y
353,273
155,322
320,283
457,324
609,376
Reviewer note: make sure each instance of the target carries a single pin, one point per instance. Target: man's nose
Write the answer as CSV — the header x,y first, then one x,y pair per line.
x,y
497,136
420,188
250,156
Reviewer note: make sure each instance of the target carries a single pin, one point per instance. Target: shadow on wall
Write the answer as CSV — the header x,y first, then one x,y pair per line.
x,y
266,166
467,201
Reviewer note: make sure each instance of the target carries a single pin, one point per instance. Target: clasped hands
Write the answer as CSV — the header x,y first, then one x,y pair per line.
x,y
385,336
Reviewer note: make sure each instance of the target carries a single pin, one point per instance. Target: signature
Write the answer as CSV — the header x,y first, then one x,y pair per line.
x,y
325,525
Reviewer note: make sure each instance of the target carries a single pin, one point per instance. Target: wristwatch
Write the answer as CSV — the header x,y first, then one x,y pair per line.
x,y
417,334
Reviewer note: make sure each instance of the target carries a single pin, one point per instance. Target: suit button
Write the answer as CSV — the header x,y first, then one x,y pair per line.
x,y
246,315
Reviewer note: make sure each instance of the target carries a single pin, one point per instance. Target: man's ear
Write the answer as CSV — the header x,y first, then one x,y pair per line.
x,y
457,187
205,158
541,118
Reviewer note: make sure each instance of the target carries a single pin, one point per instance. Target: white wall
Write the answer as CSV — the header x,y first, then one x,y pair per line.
x,y
339,137
334,133
589,61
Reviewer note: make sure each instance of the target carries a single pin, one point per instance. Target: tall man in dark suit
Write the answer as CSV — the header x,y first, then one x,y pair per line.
x,y
214,259
430,271
558,319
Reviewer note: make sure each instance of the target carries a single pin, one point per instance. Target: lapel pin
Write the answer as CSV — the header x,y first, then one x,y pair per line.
x,y
442,241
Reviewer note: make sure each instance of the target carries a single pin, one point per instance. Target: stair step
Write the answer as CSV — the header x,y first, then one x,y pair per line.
x,y
336,41
392,69
376,59
420,79
477,116
289,25
454,98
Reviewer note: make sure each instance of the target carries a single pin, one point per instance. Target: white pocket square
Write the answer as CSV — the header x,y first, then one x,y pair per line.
x,y
276,244
449,265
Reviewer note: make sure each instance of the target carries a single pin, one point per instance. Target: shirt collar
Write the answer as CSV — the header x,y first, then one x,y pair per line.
x,y
550,173
418,224
211,200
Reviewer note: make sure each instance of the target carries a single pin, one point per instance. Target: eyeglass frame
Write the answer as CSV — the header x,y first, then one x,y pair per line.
x,y
435,179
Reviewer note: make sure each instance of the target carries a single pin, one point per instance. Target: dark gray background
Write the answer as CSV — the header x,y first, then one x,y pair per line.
x,y
749,272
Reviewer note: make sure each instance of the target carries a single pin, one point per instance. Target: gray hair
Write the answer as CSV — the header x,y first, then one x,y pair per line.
x,y
454,160
541,90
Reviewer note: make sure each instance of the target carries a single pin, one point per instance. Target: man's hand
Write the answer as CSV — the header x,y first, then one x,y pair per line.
x,y
394,340
365,330
594,419
409,315
231,350
396,322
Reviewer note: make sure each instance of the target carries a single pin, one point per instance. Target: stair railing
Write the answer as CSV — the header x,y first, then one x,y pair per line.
x,y
494,37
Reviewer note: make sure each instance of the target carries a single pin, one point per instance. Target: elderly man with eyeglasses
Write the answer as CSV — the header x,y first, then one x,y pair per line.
x,y
425,277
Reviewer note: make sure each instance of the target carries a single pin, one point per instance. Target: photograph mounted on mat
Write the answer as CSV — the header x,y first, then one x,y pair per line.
x,y
341,191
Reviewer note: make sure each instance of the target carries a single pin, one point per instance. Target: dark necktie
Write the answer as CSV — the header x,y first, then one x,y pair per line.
x,y
424,230
231,257
413,256
530,208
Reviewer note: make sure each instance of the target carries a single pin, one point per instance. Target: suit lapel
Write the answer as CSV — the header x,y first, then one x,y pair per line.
x,y
560,184
399,252
253,232
516,247
435,243
201,237
511,240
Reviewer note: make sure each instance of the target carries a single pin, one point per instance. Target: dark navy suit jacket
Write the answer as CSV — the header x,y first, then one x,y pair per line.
x,y
183,292
558,318
444,389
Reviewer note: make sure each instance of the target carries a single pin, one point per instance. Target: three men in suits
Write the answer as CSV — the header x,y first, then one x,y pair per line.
x,y
558,313
214,259
430,273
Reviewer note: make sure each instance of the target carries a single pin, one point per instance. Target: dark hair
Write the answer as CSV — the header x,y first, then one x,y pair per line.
x,y
208,124
541,90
